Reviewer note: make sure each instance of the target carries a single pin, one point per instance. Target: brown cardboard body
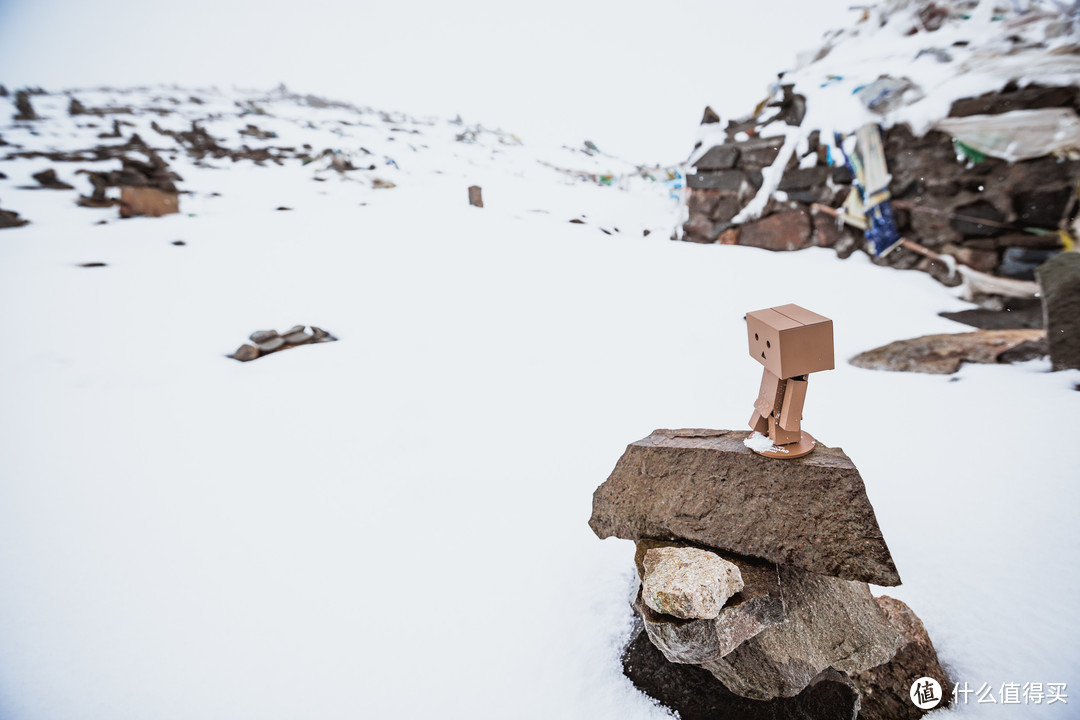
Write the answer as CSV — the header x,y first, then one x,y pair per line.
x,y
135,200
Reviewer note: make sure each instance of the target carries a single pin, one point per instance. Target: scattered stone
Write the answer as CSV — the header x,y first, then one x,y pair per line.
x,y
11,219
148,201
688,582
475,198
282,208
92,264
577,221
944,354
696,694
883,687
261,336
265,342
76,108
1059,279
829,623
707,488
245,352
178,242
24,107
47,180
709,117
380,184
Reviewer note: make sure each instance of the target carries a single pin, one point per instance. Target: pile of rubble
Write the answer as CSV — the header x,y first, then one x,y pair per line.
x,y
782,179
753,599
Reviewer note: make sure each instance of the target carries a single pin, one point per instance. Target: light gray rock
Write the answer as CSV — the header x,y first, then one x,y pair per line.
x,y
261,336
829,623
688,582
756,606
706,488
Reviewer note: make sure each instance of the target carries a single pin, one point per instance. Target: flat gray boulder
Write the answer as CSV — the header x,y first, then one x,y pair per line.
x,y
707,488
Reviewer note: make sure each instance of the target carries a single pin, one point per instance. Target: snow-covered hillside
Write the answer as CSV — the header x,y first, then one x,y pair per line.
x,y
394,525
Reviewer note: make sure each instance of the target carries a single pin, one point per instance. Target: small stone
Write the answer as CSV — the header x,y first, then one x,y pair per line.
x,y
268,346
709,117
297,336
245,352
319,335
475,196
688,582
178,242
261,336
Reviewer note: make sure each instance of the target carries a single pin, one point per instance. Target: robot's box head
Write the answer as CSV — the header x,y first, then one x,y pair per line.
x,y
790,341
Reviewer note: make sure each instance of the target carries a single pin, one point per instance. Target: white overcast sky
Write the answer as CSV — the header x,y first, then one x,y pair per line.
x,y
632,76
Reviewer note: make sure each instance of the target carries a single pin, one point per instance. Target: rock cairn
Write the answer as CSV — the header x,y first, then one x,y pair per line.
x,y
753,599
994,216
264,342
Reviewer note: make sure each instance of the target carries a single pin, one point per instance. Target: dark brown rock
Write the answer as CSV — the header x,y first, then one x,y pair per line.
x,y
1017,314
1028,98
885,688
706,487
1059,279
11,219
696,695
48,179
709,117
721,157
24,106
943,354
730,181
759,153
699,229
788,230
803,178
829,622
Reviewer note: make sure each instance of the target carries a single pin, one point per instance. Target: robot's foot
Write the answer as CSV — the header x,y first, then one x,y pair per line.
x,y
804,446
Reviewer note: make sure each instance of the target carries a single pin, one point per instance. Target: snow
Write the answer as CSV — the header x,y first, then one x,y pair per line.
x,y
759,443
395,524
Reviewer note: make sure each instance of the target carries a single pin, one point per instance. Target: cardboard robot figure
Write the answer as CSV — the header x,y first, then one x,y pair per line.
x,y
791,342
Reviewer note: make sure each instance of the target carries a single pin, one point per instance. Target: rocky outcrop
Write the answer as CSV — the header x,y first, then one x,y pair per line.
x,y
706,487
1060,282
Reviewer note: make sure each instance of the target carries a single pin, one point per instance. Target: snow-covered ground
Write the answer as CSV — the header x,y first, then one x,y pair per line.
x,y
394,525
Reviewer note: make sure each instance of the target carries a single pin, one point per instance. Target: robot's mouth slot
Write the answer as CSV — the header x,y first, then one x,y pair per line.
x,y
762,356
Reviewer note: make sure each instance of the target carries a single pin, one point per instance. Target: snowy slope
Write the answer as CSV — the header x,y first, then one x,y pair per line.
x,y
395,524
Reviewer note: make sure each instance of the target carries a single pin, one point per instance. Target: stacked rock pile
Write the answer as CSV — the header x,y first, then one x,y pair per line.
x,y
994,216
754,598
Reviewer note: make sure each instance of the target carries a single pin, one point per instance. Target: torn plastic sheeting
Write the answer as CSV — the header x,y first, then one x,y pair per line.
x,y
1018,134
